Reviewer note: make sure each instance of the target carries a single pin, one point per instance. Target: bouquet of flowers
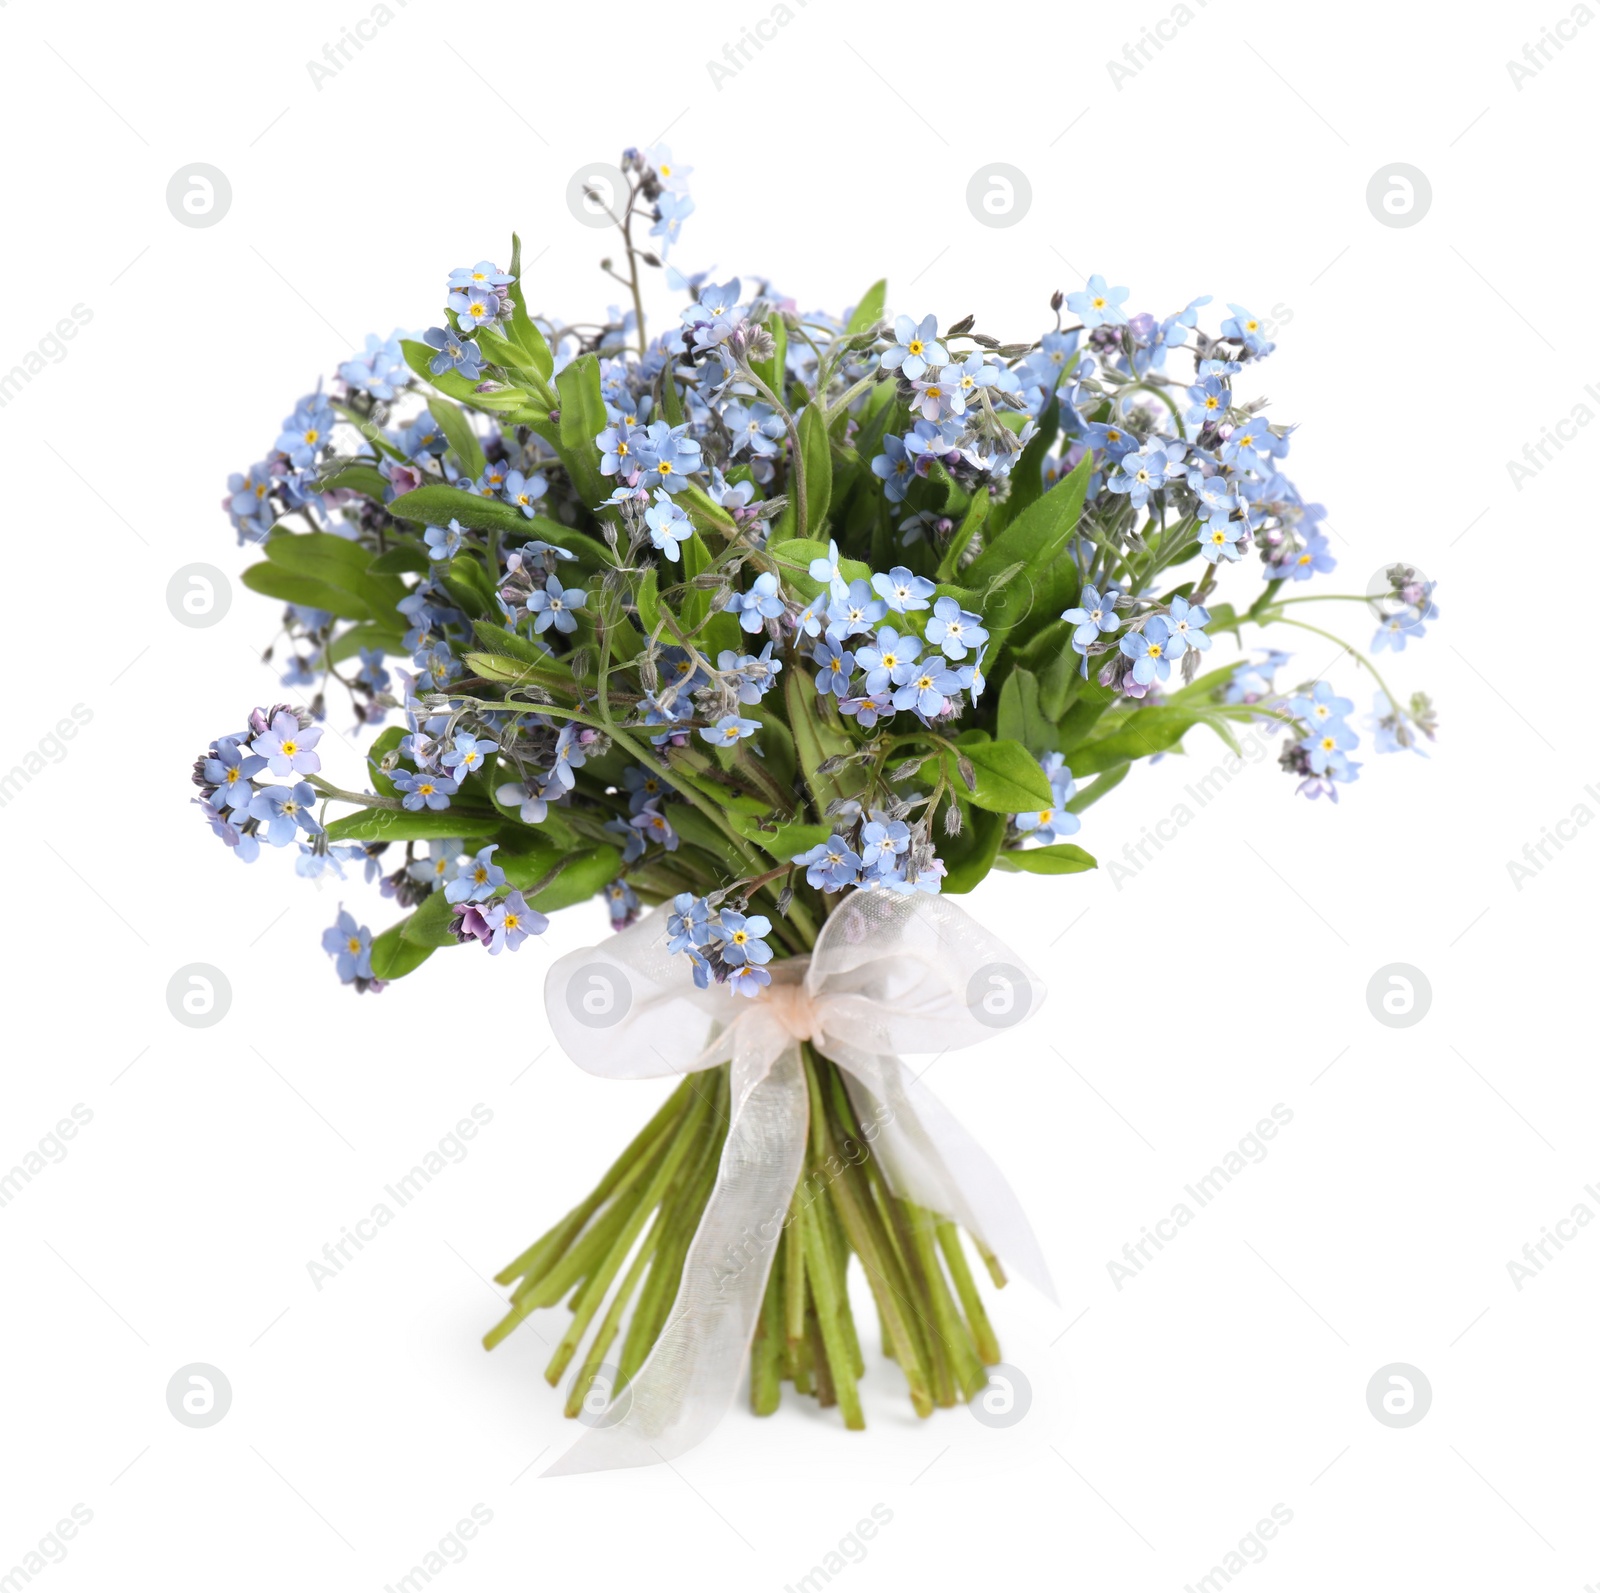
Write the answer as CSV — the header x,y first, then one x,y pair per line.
x,y
788,627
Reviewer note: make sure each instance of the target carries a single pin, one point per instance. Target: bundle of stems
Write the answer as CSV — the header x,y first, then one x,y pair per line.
x,y
626,1244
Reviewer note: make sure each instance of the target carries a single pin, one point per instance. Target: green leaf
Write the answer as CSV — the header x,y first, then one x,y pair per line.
x,y
971,525
348,643
1061,859
696,560
968,857
336,561
581,875
1027,474
1019,717
439,505
460,435
817,736
509,671
772,371
1145,732
430,925
387,742
698,831
1009,779
1108,781
362,478
397,824
393,956
272,580
583,418
401,560
870,310
1038,534
816,461
524,335
509,644
647,602
782,842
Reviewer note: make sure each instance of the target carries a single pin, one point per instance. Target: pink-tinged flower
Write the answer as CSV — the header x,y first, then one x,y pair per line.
x,y
470,924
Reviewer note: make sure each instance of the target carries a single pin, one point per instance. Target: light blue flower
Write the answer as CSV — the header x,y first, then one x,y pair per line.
x,y
444,542
557,605
834,667
826,570
1320,707
754,426
476,306
423,790
571,754
1219,539
1099,305
477,877
830,865
454,353
916,347
524,492
894,467
512,921
762,602
923,686
953,630
468,754
1094,616
855,611
1187,622
1151,649
435,870
669,525
729,730
285,810
888,652
902,591
742,940
485,274
350,946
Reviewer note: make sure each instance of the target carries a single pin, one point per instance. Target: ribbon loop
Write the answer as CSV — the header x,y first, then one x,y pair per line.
x,y
889,974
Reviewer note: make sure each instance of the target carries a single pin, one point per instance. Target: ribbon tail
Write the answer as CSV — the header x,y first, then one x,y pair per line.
x,y
932,1160
693,1372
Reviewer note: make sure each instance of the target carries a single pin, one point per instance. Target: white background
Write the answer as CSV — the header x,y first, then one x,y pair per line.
x,y
1227,975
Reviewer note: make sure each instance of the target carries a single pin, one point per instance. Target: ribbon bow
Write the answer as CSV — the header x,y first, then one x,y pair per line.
x,y
889,974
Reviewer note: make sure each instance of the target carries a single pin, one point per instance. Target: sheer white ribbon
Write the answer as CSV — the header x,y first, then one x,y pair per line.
x,y
889,974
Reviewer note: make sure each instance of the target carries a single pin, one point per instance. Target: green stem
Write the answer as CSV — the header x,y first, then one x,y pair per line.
x,y
1345,646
